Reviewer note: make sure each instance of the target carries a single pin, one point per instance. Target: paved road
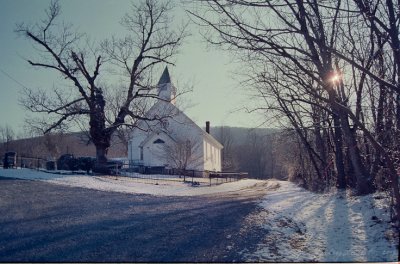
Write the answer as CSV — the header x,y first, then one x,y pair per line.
x,y
42,222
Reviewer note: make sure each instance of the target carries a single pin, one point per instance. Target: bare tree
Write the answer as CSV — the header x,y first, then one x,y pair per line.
x,y
224,136
151,41
182,153
316,59
7,135
53,143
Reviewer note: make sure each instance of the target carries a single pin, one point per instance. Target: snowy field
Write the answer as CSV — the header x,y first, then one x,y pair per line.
x,y
129,185
307,227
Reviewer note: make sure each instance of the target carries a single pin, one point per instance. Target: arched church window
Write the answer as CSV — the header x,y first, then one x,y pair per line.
x,y
164,123
188,148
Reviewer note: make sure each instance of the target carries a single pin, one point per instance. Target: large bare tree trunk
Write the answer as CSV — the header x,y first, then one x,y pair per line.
x,y
339,162
100,136
364,181
319,141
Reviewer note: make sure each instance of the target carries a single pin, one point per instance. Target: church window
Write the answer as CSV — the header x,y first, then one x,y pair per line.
x,y
188,148
164,123
159,141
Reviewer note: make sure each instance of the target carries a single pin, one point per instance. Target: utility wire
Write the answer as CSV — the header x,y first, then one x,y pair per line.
x,y
13,79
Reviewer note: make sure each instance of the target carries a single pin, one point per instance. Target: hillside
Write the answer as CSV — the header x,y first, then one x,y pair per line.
x,y
240,134
76,143
56,145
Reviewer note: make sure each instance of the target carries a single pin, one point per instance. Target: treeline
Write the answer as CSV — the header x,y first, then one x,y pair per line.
x,y
263,153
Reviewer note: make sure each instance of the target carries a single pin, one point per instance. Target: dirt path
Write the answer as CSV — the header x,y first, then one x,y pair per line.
x,y
50,223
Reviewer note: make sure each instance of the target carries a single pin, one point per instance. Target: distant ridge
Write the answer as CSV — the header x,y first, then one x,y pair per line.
x,y
76,143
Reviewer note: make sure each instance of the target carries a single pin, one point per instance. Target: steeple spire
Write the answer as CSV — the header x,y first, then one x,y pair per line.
x,y
165,77
166,90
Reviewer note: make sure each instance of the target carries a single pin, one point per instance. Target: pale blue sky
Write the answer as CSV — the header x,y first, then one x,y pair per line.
x,y
216,95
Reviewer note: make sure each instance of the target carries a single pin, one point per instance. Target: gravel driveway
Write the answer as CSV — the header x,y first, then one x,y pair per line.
x,y
42,222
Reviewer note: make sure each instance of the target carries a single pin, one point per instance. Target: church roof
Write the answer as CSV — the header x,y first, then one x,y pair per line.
x,y
174,111
165,78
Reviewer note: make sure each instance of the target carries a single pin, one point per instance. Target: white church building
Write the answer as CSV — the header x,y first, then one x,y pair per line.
x,y
173,140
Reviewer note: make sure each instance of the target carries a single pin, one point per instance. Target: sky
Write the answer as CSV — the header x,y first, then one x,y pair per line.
x,y
216,97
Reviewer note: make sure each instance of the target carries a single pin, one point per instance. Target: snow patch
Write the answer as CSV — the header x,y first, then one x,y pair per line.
x,y
129,185
306,227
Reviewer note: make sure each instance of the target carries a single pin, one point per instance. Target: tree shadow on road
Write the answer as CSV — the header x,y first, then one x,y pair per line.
x,y
75,224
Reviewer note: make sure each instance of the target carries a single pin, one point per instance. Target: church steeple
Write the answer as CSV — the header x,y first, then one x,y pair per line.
x,y
165,77
166,90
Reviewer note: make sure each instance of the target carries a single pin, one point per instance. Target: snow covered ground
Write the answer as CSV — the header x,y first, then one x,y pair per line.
x,y
303,226
300,226
129,185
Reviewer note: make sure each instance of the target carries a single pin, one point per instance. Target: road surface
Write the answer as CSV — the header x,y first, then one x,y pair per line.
x,y
43,222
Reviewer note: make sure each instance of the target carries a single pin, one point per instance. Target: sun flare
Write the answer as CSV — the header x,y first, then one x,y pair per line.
x,y
335,78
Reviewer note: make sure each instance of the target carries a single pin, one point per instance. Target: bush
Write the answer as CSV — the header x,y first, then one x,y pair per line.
x,y
69,162
50,165
86,163
66,162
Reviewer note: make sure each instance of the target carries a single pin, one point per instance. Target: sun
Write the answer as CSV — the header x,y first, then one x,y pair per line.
x,y
335,77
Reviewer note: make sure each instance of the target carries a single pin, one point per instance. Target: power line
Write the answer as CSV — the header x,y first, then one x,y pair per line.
x,y
12,78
